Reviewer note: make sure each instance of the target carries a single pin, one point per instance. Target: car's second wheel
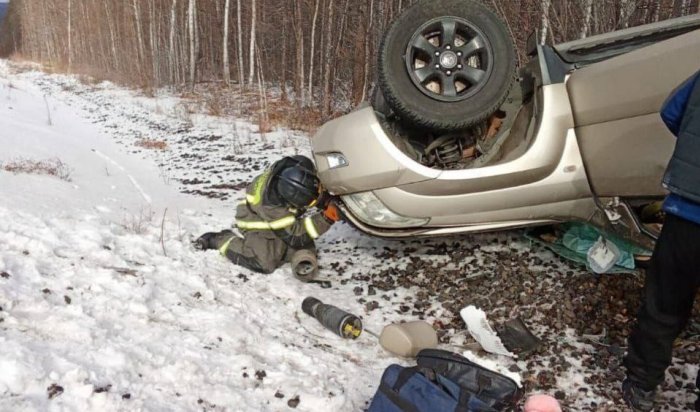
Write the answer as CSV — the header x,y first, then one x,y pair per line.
x,y
446,64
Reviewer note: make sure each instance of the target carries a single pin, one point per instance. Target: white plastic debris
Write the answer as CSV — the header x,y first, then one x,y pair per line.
x,y
481,330
603,255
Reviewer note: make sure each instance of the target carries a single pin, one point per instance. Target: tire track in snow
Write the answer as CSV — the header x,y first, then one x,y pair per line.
x,y
133,180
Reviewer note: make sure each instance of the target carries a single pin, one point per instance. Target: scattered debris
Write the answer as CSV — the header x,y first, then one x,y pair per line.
x,y
54,390
123,271
481,330
294,402
371,305
517,338
324,284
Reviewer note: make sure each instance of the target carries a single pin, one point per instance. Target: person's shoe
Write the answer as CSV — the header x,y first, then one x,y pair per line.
x,y
637,398
202,242
212,240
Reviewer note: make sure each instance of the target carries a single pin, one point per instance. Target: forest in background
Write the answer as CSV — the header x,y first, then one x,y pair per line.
x,y
322,51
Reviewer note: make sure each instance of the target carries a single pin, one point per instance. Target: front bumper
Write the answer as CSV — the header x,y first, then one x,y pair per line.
x,y
400,233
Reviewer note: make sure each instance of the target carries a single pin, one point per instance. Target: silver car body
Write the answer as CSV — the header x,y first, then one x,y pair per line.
x,y
581,143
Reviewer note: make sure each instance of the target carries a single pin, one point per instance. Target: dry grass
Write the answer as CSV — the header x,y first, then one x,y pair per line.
x,y
50,167
22,65
215,105
212,98
152,144
216,100
284,114
139,223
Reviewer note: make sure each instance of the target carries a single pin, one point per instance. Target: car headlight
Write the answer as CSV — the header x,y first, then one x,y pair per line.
x,y
336,160
368,208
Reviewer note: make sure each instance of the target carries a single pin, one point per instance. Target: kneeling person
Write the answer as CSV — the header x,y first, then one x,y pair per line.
x,y
275,221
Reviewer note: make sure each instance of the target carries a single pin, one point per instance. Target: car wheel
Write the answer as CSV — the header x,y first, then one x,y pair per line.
x,y
446,64
378,102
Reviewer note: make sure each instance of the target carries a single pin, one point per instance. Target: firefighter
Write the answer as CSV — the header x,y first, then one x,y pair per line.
x,y
275,221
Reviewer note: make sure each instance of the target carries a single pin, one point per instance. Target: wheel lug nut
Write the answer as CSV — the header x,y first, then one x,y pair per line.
x,y
459,66
459,54
437,66
437,53
448,47
449,72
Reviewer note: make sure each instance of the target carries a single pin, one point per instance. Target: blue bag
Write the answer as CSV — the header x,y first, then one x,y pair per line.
x,y
418,389
444,382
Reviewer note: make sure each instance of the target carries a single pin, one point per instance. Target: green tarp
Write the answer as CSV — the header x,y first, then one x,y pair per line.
x,y
573,241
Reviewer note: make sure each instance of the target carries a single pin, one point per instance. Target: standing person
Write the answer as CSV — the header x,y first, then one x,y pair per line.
x,y
275,221
673,276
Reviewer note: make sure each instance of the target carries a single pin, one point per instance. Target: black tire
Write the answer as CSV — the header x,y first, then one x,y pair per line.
x,y
379,104
486,82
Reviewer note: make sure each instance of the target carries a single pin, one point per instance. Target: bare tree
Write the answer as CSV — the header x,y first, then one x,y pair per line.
x,y
627,7
299,39
684,7
227,69
587,14
112,36
70,37
313,44
241,80
171,41
545,20
190,25
137,21
251,54
326,108
365,82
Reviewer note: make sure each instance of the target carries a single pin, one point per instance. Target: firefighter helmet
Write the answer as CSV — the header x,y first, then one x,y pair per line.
x,y
304,162
298,186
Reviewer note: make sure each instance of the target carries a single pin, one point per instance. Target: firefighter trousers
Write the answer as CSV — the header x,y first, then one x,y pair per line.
x,y
259,251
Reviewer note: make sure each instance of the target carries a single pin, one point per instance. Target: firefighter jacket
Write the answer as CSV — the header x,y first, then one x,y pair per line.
x,y
265,215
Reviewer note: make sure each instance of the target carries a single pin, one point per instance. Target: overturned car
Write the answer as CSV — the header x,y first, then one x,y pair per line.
x,y
455,141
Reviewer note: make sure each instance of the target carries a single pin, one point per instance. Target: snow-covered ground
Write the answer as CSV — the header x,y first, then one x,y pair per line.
x,y
94,302
105,306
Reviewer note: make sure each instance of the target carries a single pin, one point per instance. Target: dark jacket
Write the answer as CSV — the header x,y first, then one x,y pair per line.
x,y
681,113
